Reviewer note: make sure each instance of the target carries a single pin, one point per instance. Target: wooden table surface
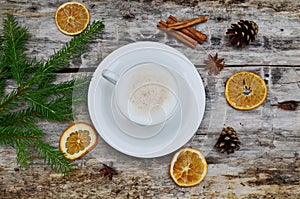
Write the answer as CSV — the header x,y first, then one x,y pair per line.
x,y
267,164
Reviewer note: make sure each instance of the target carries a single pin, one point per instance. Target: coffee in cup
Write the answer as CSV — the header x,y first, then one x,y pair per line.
x,y
146,93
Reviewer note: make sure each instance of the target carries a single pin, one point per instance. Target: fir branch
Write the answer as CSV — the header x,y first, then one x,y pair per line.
x,y
14,49
35,90
73,48
61,58
17,132
53,157
2,84
79,94
50,154
8,141
64,88
2,65
23,155
11,99
1,42
59,109
8,98
55,101
19,139
2,57
23,117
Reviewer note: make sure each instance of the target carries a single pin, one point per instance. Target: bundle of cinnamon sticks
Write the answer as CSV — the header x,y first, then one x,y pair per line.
x,y
183,30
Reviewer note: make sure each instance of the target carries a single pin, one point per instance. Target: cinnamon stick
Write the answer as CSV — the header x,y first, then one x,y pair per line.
x,y
177,34
187,23
191,32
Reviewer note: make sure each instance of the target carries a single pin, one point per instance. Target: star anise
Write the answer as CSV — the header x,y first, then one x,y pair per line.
x,y
213,64
108,171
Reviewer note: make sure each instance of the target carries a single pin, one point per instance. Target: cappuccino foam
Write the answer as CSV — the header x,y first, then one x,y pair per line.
x,y
149,93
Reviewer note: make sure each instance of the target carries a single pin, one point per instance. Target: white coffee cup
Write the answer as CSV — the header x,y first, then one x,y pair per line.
x,y
146,94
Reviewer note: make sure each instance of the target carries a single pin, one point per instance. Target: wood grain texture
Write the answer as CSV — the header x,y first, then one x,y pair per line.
x,y
277,42
266,166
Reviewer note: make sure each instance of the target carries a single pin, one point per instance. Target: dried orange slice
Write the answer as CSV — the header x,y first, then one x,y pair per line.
x,y
188,167
72,18
245,90
77,140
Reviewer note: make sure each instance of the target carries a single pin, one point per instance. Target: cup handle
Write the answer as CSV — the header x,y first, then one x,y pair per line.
x,y
110,76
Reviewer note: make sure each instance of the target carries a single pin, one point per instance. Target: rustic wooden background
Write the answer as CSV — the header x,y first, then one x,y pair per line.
x,y
266,166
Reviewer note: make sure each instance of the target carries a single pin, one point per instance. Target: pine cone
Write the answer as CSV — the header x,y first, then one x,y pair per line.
x,y
244,32
228,141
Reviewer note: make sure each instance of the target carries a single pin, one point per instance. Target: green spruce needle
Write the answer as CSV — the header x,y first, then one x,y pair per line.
x,y
36,97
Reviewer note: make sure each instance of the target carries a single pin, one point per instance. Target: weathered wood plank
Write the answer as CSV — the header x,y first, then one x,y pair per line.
x,y
267,163
277,42
266,166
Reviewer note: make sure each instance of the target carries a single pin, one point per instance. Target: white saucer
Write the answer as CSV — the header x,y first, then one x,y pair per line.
x,y
175,133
